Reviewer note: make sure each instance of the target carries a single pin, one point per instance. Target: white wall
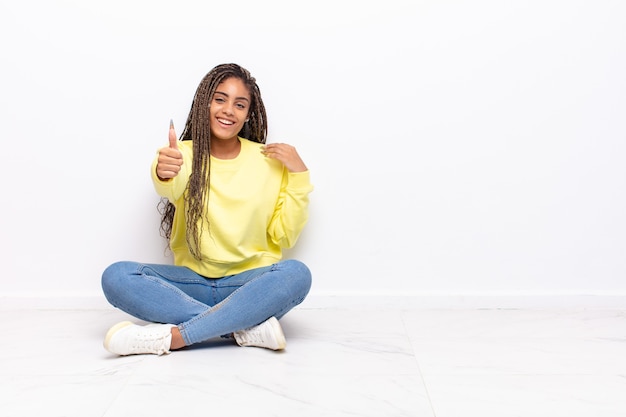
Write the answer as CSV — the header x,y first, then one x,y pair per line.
x,y
468,148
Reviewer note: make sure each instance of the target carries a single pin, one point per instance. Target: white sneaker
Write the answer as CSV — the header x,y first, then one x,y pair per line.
x,y
268,335
126,338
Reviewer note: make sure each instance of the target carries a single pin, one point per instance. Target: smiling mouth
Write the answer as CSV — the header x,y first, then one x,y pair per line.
x,y
225,122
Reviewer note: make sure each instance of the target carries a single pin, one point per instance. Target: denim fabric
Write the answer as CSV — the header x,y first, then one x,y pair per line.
x,y
204,308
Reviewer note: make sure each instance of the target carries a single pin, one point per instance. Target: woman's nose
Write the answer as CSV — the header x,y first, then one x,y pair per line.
x,y
227,109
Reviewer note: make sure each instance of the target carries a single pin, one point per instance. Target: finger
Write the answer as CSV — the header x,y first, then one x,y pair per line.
x,y
166,174
172,136
173,168
170,156
269,152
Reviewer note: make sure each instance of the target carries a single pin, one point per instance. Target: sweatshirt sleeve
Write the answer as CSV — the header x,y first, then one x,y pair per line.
x,y
292,209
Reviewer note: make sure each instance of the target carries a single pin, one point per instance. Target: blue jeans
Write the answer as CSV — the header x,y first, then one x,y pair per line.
x,y
204,308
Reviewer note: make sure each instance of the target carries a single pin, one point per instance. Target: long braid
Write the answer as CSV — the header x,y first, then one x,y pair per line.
x,y
197,129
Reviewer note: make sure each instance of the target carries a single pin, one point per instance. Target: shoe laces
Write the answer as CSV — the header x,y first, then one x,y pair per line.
x,y
255,335
150,339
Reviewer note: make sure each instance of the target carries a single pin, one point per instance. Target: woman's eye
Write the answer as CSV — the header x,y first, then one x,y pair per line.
x,y
241,106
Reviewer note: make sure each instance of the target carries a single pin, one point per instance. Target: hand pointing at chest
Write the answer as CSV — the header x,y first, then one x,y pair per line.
x,y
286,154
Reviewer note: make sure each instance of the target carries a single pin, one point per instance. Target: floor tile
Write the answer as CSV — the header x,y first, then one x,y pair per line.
x,y
338,362
527,396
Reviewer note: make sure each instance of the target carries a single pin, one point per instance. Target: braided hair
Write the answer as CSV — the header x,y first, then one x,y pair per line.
x,y
197,129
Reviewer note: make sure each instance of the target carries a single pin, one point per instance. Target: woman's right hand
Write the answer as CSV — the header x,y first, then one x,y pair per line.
x,y
170,158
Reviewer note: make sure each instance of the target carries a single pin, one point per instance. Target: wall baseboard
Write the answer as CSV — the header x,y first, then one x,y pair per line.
x,y
345,300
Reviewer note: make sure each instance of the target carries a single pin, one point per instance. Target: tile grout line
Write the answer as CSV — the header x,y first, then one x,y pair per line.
x,y
419,368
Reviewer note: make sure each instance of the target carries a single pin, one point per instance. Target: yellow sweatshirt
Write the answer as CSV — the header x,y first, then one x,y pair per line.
x,y
256,207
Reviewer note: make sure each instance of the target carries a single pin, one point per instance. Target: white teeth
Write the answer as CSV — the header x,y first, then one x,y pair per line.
x,y
226,122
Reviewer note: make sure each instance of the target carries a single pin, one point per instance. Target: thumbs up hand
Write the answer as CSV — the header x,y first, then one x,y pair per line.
x,y
170,158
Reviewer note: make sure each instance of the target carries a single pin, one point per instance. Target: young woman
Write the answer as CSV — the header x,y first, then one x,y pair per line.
x,y
231,204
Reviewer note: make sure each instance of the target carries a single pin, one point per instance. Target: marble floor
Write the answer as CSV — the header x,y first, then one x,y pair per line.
x,y
338,362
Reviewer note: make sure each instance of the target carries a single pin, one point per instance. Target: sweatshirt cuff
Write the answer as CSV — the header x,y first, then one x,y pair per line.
x,y
300,180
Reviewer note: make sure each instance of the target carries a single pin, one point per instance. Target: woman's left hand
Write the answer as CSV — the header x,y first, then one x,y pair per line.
x,y
286,154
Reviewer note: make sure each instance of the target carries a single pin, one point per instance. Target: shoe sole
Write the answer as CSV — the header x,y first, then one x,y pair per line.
x,y
112,331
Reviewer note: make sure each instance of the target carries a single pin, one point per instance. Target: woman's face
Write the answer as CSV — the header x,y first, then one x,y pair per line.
x,y
229,109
